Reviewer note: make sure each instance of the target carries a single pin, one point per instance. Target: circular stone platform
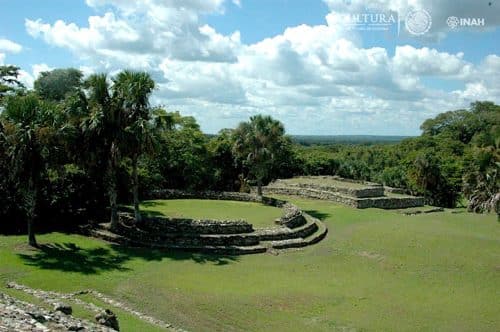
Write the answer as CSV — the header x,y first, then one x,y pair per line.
x,y
292,229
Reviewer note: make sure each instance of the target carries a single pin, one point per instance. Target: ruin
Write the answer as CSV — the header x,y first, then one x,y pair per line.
x,y
357,194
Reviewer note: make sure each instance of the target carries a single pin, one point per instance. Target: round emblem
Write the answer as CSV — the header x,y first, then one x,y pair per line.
x,y
418,22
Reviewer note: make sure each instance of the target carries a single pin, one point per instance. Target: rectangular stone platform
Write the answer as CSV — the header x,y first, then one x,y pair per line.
x,y
359,195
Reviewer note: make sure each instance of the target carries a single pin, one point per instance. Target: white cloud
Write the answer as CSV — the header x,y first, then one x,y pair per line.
x,y
141,34
9,46
473,91
425,61
316,79
439,11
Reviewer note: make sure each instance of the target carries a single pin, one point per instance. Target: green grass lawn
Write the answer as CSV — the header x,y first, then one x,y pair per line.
x,y
375,271
326,181
259,215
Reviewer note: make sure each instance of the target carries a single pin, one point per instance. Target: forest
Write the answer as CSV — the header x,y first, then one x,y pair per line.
x,y
74,148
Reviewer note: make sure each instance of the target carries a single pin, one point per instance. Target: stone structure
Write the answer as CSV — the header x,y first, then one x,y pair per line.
x,y
294,229
106,319
17,315
357,194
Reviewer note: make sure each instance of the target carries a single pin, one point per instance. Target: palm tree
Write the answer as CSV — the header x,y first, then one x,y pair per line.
x,y
256,142
26,133
104,123
131,90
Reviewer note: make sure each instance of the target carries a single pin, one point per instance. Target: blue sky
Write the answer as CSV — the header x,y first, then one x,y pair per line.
x,y
299,61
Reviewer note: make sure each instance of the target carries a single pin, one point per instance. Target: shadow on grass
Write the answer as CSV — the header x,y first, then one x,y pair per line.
x,y
149,254
69,257
147,213
318,214
150,203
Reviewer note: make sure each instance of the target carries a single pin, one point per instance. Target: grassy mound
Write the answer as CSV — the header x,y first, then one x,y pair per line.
x,y
377,270
259,215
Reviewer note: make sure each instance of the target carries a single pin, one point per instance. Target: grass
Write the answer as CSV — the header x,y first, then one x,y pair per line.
x,y
327,181
376,271
259,215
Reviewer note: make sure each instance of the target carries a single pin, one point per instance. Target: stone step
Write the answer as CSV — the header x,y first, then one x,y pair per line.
x,y
310,233
243,239
229,249
284,244
284,233
317,236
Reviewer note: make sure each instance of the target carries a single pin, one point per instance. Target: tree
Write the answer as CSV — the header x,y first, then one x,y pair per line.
x,y
131,91
9,80
482,179
257,142
28,133
105,124
183,159
225,169
56,84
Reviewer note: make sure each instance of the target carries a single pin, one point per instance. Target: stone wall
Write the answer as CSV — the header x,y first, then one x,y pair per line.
x,y
382,202
312,193
368,189
354,192
162,225
399,191
216,195
391,202
339,178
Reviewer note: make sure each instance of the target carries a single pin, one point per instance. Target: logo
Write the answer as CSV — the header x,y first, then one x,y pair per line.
x,y
370,21
455,22
418,22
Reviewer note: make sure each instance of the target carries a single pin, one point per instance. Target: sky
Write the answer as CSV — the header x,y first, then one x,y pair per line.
x,y
322,67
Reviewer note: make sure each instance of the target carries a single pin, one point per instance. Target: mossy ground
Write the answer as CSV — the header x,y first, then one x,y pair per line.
x,y
375,271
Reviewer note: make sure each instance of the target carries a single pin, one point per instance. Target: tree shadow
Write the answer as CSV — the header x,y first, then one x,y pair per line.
x,y
318,214
145,213
150,203
69,257
149,254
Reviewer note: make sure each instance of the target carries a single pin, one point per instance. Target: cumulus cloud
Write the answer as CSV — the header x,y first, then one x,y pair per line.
x,y
316,79
141,34
9,46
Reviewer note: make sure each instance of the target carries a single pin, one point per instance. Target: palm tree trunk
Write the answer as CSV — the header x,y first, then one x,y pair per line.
x,y
135,189
113,205
259,186
31,202
112,187
31,232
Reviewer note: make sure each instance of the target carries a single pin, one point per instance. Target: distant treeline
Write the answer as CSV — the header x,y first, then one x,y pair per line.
x,y
345,139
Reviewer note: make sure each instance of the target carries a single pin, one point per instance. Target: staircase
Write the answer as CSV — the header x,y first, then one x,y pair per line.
x,y
298,233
